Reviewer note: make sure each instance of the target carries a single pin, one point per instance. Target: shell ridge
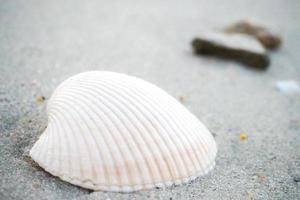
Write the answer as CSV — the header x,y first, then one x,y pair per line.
x,y
75,136
203,140
169,119
167,126
64,84
57,150
123,125
62,104
199,141
50,145
120,100
187,172
141,113
86,106
39,145
57,118
146,108
57,128
108,129
83,136
165,117
105,170
195,137
198,138
206,140
112,157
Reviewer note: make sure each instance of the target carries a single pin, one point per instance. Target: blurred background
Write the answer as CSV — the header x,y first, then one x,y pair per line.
x,y
44,42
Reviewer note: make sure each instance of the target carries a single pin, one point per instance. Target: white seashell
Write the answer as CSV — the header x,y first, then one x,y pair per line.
x,y
113,132
288,87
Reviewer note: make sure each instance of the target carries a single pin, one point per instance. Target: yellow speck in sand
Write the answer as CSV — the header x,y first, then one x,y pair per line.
x,y
36,185
243,136
262,178
40,99
183,99
250,195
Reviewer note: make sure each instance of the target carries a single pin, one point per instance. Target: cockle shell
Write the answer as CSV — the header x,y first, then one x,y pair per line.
x,y
114,132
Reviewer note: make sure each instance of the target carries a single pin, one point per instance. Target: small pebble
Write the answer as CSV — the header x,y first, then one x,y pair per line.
x,y
182,99
36,185
239,47
40,99
33,83
297,178
262,178
250,195
12,135
268,39
243,136
295,123
288,86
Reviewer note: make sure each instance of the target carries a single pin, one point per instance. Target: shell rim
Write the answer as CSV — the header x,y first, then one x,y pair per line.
x,y
88,184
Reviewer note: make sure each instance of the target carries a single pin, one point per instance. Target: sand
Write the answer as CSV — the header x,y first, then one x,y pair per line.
x,y
42,43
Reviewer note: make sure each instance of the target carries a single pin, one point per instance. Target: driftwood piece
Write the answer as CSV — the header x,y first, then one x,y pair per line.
x,y
240,47
267,38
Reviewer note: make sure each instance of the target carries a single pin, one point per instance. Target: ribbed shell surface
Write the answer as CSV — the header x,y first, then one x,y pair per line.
x,y
114,132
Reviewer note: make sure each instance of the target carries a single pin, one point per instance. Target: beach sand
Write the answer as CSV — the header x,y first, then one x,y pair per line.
x,y
44,42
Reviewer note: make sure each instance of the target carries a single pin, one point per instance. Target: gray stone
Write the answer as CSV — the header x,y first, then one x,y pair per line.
x,y
240,47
